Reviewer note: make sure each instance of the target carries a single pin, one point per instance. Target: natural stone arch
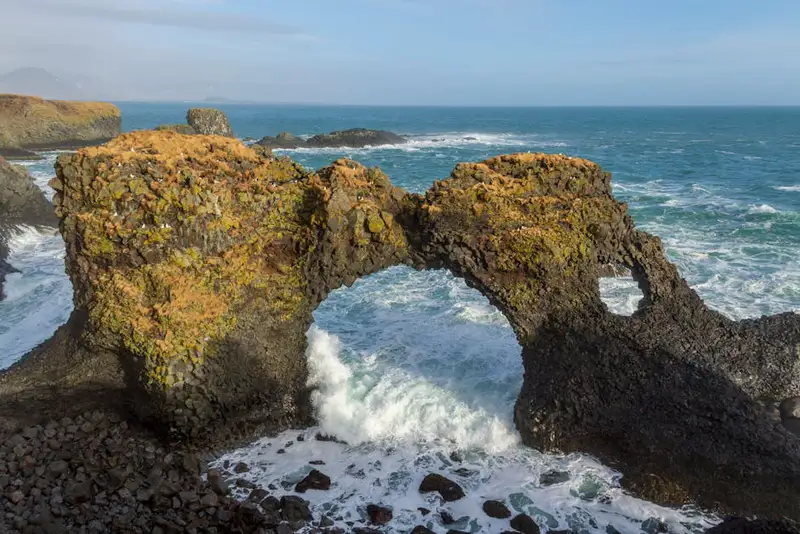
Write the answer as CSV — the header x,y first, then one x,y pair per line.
x,y
197,262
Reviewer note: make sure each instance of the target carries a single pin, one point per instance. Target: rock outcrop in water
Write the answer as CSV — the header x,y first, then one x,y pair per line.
x,y
209,121
197,262
29,123
353,138
22,203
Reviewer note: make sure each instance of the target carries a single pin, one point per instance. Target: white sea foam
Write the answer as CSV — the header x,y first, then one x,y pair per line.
x,y
38,298
409,382
792,188
620,294
762,208
417,143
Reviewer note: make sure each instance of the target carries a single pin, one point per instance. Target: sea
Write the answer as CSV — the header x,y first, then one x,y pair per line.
x,y
417,373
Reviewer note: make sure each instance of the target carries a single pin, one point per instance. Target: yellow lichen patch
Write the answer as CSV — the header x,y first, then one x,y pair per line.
x,y
185,229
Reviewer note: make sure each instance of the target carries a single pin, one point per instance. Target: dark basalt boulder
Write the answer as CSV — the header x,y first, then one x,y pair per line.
x,y
496,509
12,154
22,203
449,490
209,121
283,140
315,480
525,524
197,263
379,515
355,138
739,525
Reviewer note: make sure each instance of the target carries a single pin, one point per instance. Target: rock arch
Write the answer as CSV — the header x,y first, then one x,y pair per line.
x,y
197,262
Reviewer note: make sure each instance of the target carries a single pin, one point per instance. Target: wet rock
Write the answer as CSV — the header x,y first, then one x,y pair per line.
x,y
449,490
523,523
378,515
790,408
452,531
419,529
792,425
295,509
424,511
356,138
218,484
739,525
496,509
317,462
552,478
258,495
240,468
315,480
446,518
365,530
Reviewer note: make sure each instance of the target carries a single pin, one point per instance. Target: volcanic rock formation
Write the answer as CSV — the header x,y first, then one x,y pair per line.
x,y
197,263
22,203
353,138
30,123
209,121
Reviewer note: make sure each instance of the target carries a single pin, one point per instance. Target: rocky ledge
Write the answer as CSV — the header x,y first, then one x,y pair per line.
x,y
197,262
28,123
22,203
353,138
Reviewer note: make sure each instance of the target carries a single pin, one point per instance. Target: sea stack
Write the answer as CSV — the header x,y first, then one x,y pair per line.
x,y
29,123
209,121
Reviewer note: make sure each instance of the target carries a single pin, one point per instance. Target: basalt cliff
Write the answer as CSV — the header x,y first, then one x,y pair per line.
x,y
30,123
197,262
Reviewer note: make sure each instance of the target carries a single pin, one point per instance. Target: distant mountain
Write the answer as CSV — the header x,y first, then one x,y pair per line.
x,y
39,82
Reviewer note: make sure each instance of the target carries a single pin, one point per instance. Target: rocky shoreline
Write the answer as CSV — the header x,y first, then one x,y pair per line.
x,y
28,124
196,263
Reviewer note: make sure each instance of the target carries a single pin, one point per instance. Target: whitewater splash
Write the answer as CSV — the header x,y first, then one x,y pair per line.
x,y
421,376
38,297
447,140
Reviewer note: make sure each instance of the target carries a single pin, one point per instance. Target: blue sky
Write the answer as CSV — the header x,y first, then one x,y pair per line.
x,y
467,52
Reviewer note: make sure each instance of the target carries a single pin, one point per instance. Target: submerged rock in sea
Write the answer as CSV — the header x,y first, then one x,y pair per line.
x,y
29,122
197,263
209,121
22,203
353,138
356,138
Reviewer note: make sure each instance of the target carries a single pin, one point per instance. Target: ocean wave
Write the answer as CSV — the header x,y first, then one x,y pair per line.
x,y
418,142
762,208
411,389
792,188
38,297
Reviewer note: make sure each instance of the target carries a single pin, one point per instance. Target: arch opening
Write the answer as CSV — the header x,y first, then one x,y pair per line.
x,y
414,373
620,292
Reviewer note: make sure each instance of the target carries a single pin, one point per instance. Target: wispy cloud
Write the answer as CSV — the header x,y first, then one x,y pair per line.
x,y
165,13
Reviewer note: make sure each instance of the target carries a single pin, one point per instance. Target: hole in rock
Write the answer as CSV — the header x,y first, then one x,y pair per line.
x,y
620,292
418,374
410,356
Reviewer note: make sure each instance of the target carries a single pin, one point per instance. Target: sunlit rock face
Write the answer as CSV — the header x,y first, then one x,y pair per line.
x,y
197,263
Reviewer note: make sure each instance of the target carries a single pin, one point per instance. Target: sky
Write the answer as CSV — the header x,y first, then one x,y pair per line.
x,y
416,52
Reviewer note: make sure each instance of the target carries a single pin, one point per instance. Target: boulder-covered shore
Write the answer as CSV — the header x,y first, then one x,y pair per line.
x,y
29,123
196,264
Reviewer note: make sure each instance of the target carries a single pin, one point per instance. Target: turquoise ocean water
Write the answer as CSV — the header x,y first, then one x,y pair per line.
x,y
412,366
